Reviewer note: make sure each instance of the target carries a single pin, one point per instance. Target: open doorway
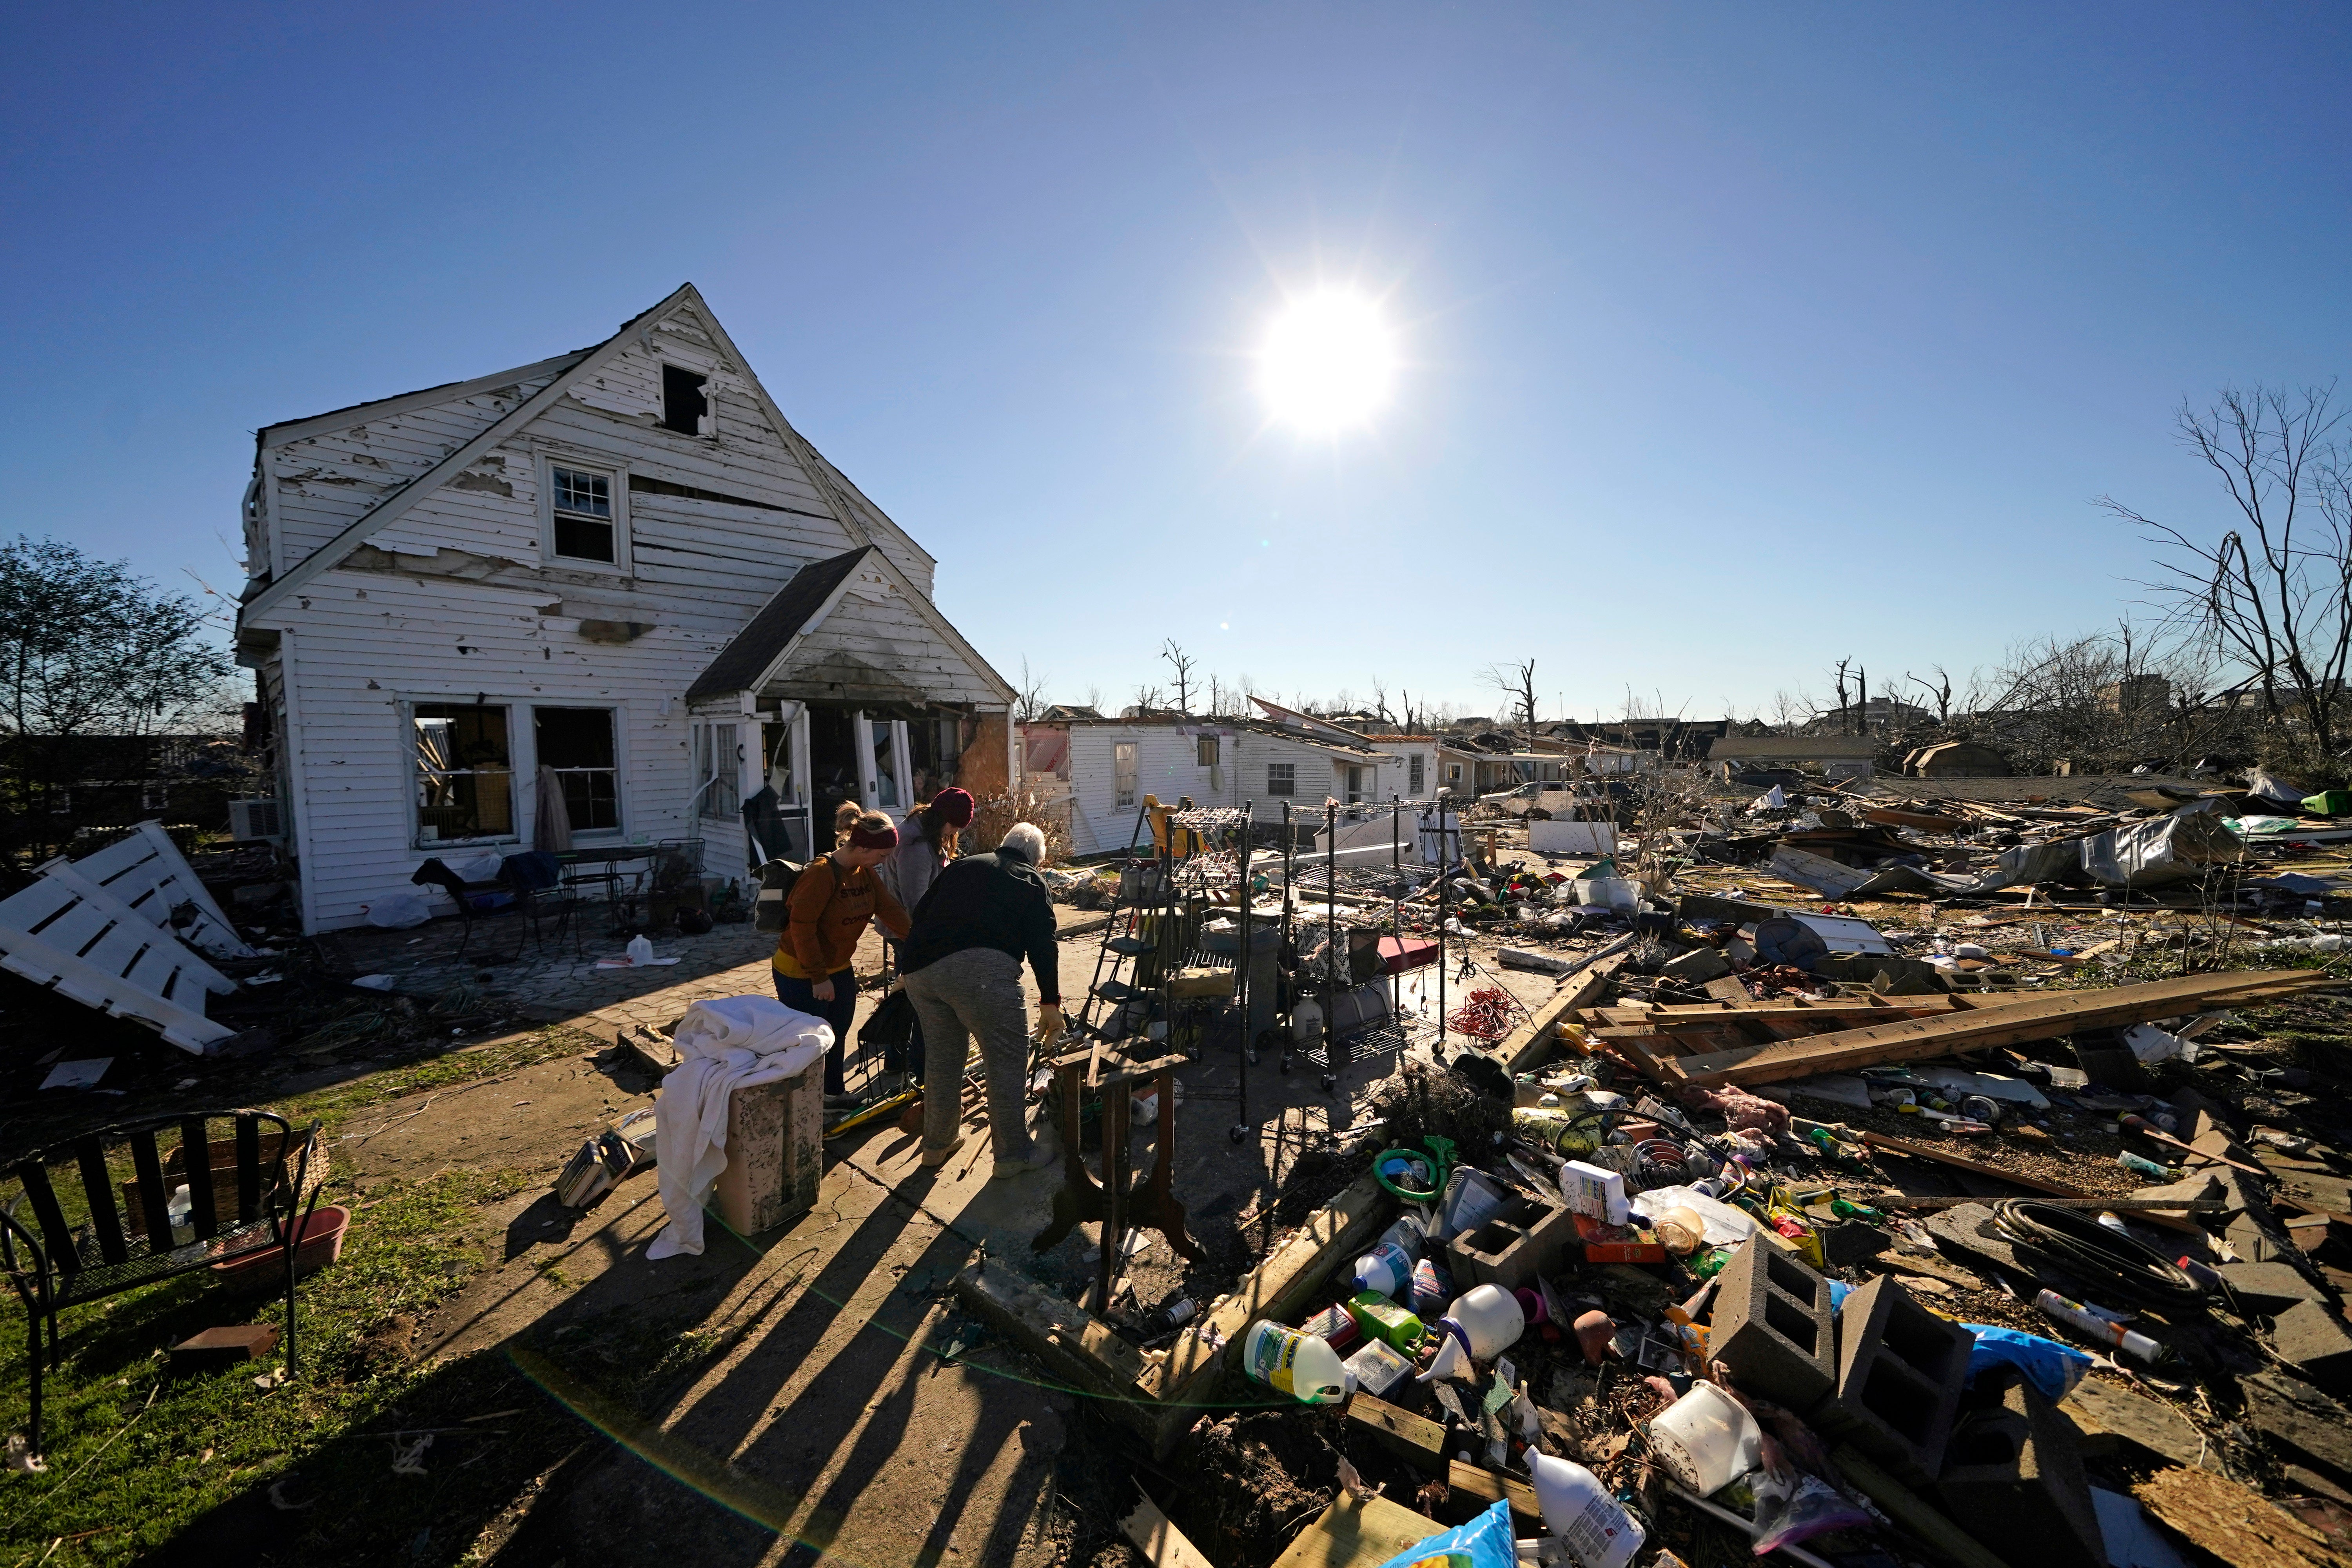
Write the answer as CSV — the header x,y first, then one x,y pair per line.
x,y
833,767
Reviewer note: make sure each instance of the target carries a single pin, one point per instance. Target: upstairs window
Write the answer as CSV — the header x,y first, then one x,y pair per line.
x,y
1282,780
684,405
584,515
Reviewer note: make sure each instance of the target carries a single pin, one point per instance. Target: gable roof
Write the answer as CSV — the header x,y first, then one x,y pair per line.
x,y
766,646
745,660
397,502
287,430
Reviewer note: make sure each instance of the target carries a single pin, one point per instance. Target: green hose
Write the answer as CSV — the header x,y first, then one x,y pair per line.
x,y
1439,1153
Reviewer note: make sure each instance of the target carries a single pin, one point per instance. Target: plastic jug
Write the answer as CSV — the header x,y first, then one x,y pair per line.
x,y
1386,1269
1307,1022
1707,1439
1382,1319
640,950
1304,1367
1597,1532
1490,1319
1406,1232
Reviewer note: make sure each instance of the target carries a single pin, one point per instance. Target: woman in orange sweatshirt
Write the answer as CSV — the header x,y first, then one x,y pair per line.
x,y
829,907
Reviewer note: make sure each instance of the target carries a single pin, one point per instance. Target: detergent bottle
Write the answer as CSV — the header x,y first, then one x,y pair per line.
x,y
1299,1364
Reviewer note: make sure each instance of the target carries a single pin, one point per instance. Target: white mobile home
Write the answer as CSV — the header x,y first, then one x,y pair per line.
x,y
1104,767
610,597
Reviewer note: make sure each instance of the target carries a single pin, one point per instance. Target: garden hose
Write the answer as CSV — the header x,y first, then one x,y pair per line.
x,y
1439,1156
2076,1245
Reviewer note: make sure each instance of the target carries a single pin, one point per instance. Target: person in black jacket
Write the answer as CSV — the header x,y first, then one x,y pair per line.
x,y
961,959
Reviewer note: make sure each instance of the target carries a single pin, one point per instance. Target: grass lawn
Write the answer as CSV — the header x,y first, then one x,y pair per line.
x,y
305,1471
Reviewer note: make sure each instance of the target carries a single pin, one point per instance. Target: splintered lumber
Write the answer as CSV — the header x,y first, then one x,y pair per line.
x,y
1482,1487
1526,1047
1277,1288
2234,1525
2030,1183
1163,1544
1358,1533
1417,1440
2043,1017
1923,821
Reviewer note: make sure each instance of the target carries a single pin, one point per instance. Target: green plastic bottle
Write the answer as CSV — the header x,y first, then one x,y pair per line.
x,y
1384,1320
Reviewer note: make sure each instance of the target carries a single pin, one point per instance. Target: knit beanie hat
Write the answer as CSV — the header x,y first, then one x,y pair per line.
x,y
953,807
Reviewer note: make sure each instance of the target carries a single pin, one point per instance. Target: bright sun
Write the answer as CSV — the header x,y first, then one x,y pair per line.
x,y
1328,361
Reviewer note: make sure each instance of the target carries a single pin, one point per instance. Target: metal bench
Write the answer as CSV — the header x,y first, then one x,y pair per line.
x,y
238,1206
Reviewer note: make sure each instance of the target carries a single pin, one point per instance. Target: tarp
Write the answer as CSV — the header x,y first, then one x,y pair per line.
x,y
2179,847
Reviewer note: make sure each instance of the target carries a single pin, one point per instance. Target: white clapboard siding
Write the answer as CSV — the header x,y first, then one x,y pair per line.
x,y
94,948
146,874
456,600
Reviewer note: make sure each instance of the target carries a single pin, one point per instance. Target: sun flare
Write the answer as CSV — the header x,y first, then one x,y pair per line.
x,y
1329,361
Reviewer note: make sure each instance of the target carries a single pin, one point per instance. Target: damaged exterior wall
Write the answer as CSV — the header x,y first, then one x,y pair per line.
x,y
1168,765
460,598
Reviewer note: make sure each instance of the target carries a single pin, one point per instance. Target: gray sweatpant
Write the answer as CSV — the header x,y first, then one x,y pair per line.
x,y
974,992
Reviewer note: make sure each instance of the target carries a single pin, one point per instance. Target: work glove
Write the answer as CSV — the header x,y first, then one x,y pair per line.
x,y
1050,1025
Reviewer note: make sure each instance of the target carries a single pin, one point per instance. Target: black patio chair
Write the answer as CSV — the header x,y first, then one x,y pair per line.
x,y
56,1262
536,880
439,873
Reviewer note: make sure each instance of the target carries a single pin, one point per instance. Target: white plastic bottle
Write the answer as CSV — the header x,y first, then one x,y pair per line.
x,y
1304,1367
1307,1023
1593,1525
1386,1269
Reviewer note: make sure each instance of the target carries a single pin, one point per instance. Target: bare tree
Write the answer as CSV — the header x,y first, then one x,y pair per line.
x,y
1940,688
1149,700
1029,697
2272,596
1380,700
1181,663
1095,698
1516,682
1843,702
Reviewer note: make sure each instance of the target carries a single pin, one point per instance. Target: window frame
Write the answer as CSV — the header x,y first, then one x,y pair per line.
x,y
1208,752
1288,788
615,475
619,831
417,842
706,426
717,770
1416,772
1130,752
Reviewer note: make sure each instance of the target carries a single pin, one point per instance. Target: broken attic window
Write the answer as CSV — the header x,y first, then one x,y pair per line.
x,y
577,745
683,402
464,780
1282,780
584,515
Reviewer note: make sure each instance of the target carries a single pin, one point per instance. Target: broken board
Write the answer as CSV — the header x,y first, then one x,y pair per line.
x,y
1358,1533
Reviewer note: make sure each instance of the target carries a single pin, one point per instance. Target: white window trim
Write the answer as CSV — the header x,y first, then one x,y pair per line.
x,y
618,833
622,564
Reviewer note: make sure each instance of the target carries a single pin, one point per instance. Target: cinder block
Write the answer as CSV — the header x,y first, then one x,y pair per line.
x,y
1899,1371
1772,1327
1524,1239
775,1153
2014,1479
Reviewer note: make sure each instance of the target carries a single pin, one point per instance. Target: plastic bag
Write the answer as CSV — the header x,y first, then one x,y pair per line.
x,y
1813,1508
2052,1367
398,912
1484,1542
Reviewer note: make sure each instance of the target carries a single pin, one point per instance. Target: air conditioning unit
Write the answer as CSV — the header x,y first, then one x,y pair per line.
x,y
251,821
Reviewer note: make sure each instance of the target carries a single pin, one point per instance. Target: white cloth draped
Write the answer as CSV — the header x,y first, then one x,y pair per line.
x,y
730,1042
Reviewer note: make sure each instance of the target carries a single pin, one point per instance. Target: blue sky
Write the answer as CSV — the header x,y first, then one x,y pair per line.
x,y
1736,339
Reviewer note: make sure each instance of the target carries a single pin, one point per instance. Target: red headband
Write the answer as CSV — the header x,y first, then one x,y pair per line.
x,y
882,837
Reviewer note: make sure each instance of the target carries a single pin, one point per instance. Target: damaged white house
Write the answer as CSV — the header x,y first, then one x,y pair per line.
x,y
607,599
1104,768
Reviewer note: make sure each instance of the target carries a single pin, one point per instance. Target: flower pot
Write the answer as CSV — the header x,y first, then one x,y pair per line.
x,y
321,1243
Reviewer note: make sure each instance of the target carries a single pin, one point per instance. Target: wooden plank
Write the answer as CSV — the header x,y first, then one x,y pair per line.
x,y
1358,1533
1273,1290
2044,1017
1779,1011
2232,1524
2030,1183
1417,1440
1946,1541
1064,1335
1479,1487
1163,1544
1529,1045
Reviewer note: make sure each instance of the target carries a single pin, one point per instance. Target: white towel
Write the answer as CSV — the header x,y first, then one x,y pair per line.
x,y
728,1044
